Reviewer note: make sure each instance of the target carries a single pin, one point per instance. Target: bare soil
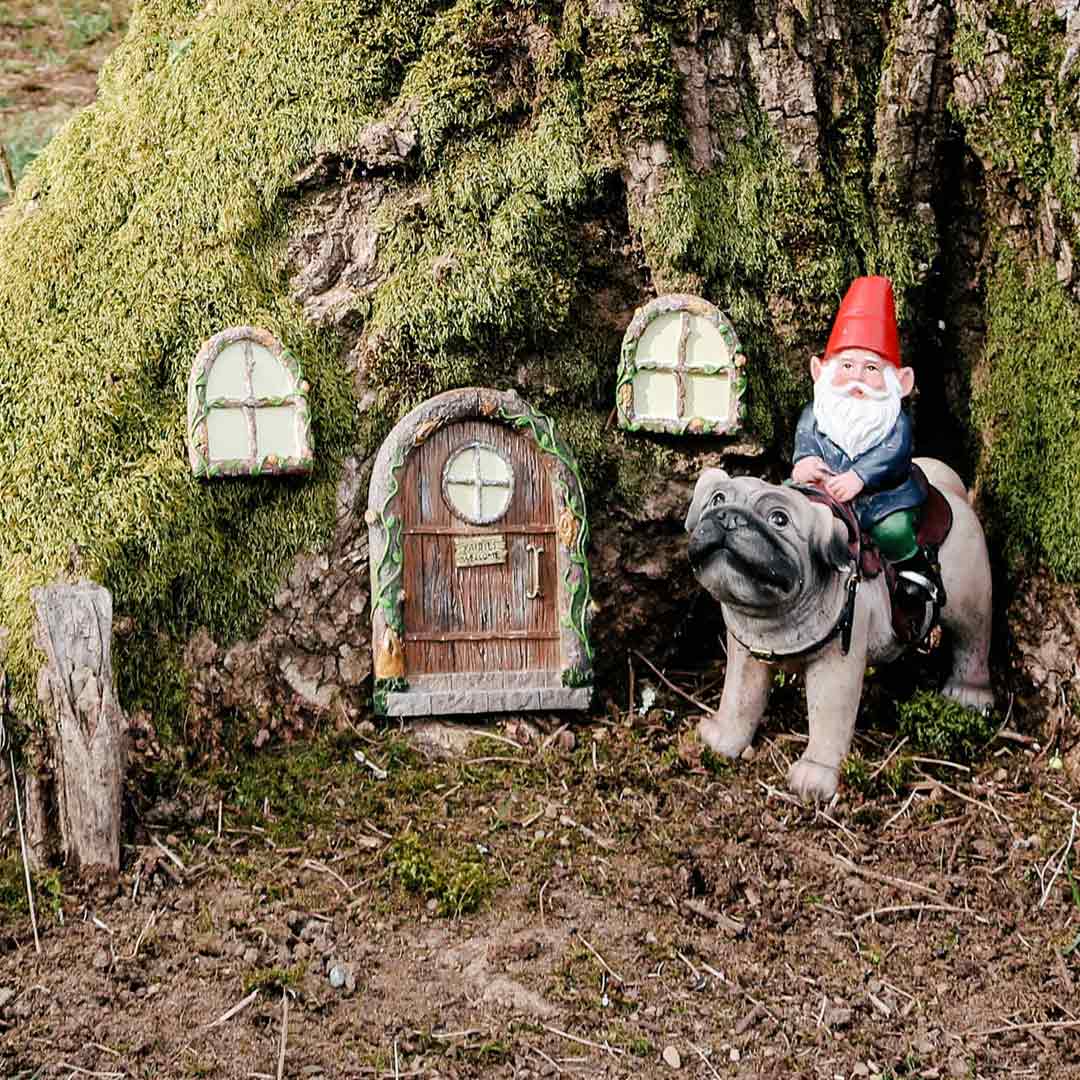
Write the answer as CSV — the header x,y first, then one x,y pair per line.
x,y
633,900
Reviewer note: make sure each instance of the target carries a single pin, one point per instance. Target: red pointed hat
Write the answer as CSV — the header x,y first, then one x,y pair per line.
x,y
867,320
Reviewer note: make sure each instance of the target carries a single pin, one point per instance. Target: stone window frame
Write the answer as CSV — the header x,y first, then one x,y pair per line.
x,y
199,408
629,366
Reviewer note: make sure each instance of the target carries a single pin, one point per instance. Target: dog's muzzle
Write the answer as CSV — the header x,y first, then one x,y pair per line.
x,y
713,532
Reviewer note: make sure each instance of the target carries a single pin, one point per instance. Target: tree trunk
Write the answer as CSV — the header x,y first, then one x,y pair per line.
x,y
85,728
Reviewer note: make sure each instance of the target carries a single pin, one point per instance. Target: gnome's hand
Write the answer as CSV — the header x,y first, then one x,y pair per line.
x,y
810,470
844,487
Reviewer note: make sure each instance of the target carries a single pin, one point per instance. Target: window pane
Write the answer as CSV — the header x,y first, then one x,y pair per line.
x,y
655,394
708,396
463,499
269,379
275,429
227,378
494,501
660,342
227,431
705,346
492,467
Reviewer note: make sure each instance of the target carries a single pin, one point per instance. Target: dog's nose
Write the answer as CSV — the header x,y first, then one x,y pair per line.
x,y
729,518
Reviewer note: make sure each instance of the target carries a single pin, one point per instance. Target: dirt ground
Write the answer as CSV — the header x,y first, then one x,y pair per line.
x,y
600,900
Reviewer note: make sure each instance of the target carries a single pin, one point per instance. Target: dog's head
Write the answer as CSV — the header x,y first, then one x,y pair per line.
x,y
759,546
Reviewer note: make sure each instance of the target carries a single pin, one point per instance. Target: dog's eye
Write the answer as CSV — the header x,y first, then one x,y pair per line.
x,y
778,518
718,498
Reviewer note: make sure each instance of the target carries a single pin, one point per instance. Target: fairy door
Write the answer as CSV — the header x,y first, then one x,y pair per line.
x,y
481,539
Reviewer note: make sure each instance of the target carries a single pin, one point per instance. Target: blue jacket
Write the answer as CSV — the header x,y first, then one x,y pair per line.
x,y
885,469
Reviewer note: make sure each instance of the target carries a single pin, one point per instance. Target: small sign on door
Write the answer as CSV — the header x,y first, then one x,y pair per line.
x,y
488,550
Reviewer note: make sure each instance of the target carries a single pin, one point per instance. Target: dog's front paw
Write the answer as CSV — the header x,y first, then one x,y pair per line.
x,y
811,781
722,737
969,695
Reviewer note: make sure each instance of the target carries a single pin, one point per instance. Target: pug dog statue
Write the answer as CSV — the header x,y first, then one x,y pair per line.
x,y
783,570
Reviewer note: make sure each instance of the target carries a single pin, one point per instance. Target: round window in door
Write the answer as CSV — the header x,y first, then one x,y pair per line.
x,y
477,483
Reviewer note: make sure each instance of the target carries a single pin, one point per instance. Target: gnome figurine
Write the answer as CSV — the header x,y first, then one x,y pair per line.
x,y
854,439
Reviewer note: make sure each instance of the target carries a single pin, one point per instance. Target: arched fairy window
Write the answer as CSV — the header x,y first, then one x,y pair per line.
x,y
247,407
681,369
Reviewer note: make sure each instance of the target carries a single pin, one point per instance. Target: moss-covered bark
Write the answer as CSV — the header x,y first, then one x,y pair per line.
x,y
483,192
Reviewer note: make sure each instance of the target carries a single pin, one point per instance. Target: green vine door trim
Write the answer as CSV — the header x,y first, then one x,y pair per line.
x,y
386,523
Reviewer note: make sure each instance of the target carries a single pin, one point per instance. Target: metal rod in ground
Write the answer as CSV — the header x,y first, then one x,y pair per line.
x,y
25,860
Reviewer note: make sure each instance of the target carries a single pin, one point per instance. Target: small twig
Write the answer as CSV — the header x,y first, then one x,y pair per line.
x,y
1016,737
88,1072
1061,863
717,918
494,738
322,868
686,960
900,813
540,1054
284,1034
5,167
542,888
239,1007
998,816
495,757
671,686
613,1050
1028,1027
610,970
172,856
919,908
220,811
896,750
873,875
142,934
708,1064
550,740
397,1064
938,761
22,841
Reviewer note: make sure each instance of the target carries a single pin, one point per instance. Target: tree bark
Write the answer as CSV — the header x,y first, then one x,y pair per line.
x,y
85,728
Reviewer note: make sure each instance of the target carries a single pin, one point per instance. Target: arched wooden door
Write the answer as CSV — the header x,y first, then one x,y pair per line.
x,y
481,585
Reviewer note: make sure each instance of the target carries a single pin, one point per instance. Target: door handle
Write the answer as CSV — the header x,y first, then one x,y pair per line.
x,y
534,592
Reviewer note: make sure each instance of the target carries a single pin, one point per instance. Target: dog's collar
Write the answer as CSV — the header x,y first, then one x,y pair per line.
x,y
843,626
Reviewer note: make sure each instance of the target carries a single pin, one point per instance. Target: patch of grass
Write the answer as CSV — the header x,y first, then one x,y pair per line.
x,y
273,979
459,883
858,775
48,889
943,728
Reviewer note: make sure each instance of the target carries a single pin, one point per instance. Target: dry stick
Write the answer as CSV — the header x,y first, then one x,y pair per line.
x,y
873,875
899,813
5,166
237,1008
1061,864
1028,1027
938,761
22,845
284,1034
613,1050
708,1064
541,1054
139,939
896,750
610,970
671,686
322,868
173,857
87,1072
920,908
967,798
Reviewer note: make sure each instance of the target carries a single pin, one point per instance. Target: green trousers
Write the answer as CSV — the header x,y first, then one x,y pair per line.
x,y
895,535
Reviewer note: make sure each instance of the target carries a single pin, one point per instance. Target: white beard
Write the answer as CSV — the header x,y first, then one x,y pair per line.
x,y
856,424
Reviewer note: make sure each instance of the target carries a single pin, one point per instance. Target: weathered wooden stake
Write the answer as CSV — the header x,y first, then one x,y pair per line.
x,y
85,727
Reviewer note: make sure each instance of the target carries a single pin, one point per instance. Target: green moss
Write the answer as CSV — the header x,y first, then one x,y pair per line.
x,y
458,883
1027,404
943,728
1015,127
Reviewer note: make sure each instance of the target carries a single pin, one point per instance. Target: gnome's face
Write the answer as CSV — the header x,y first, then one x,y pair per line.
x,y
857,398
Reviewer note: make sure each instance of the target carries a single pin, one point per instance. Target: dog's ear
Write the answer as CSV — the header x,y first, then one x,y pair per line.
x,y
831,539
707,483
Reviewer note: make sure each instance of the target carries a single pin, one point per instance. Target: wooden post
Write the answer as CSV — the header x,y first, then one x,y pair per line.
x,y
85,728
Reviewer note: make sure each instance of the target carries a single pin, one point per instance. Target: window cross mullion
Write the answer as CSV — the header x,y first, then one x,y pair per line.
x,y
680,366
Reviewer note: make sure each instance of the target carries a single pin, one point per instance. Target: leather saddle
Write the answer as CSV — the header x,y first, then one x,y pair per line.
x,y
934,524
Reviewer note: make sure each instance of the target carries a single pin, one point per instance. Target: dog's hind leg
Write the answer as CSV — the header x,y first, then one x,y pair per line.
x,y
730,730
